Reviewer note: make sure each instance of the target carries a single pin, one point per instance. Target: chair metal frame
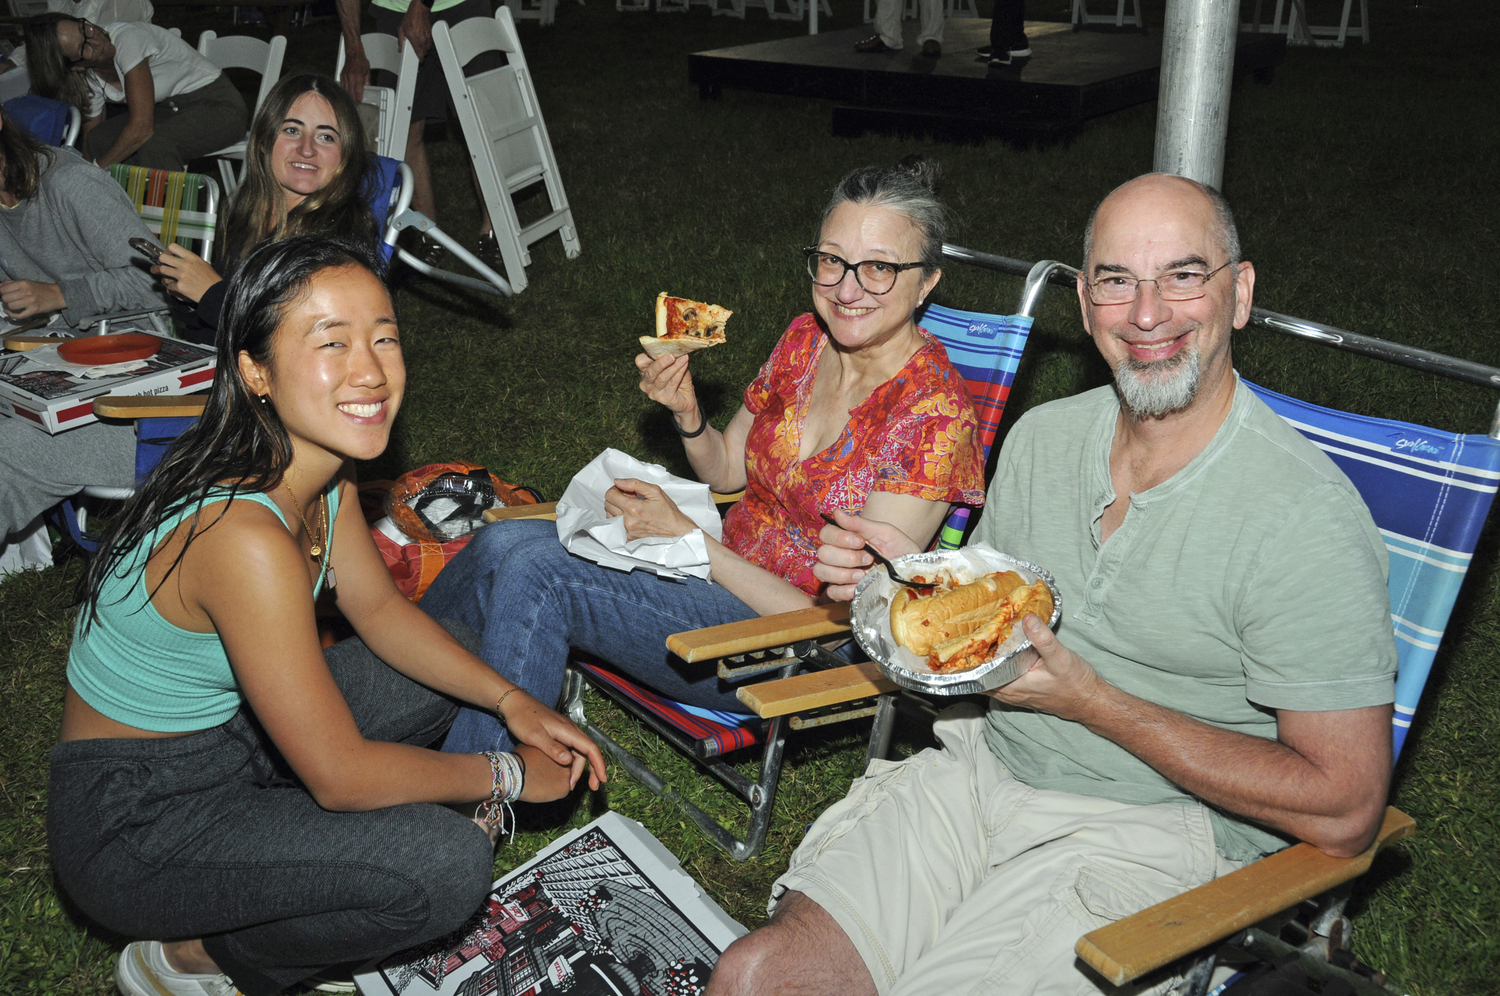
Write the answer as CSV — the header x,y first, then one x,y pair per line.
x,y
1301,31
242,52
402,216
392,104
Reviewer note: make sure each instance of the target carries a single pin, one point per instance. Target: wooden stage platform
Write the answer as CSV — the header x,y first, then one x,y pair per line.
x,y
1070,77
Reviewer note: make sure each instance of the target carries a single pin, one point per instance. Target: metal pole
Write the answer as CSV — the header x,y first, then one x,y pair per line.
x,y
812,17
1197,67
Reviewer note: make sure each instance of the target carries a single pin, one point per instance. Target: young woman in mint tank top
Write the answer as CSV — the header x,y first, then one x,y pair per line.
x,y
221,784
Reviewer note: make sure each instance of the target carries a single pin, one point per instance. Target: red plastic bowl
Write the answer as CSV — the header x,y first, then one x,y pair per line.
x,y
94,350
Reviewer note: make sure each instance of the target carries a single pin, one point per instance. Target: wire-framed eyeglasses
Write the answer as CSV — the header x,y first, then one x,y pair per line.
x,y
1182,284
876,276
88,45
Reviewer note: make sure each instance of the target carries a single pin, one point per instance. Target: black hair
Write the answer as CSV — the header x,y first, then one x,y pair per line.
x,y
238,444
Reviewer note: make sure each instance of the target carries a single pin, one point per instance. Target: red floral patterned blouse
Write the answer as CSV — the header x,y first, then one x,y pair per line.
x,y
913,435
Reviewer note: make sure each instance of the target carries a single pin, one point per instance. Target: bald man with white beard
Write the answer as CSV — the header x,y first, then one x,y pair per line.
x,y
1219,685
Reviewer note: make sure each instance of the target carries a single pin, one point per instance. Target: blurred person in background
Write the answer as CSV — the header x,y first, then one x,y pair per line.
x,y
95,11
179,105
64,227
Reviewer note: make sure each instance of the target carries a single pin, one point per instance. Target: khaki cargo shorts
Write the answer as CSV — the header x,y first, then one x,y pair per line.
x,y
950,877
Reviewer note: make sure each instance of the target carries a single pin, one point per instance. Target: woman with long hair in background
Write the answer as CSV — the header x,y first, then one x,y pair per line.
x,y
306,173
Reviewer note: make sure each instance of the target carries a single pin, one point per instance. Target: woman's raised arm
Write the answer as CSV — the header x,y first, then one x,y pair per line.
x,y
718,458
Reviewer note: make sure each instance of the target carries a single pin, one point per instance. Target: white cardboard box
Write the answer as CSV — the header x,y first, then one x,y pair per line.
x,y
604,910
42,389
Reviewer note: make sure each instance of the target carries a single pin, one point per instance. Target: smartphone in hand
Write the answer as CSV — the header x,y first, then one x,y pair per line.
x,y
147,248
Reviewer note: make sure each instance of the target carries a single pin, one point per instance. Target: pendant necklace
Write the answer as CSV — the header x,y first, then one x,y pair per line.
x,y
317,547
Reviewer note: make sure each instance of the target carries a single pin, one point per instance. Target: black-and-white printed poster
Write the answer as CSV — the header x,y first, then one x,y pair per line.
x,y
604,911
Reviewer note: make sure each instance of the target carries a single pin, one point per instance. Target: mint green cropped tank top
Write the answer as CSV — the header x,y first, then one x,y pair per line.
x,y
138,669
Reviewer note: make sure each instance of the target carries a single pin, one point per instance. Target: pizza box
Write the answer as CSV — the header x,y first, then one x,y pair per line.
x,y
41,388
604,909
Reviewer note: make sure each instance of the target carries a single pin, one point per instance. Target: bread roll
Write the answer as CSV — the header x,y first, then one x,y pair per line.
x,y
920,623
976,648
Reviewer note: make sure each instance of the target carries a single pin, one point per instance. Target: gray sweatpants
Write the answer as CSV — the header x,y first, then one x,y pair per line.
x,y
210,835
37,470
185,127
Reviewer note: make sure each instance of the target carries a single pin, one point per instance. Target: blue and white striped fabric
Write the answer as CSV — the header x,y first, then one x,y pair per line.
x,y
1429,492
986,349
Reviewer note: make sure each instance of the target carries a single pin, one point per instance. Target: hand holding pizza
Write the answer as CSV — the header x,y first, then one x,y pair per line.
x,y
666,381
647,509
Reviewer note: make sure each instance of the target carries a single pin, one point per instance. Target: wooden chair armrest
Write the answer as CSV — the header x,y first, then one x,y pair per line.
x,y
541,510
150,406
1129,948
762,632
548,509
815,689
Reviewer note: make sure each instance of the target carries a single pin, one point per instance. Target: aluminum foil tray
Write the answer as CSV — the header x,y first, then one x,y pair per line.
x,y
870,621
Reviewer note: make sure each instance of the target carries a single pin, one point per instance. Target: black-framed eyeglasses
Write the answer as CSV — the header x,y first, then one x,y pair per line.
x,y
88,44
876,276
1181,284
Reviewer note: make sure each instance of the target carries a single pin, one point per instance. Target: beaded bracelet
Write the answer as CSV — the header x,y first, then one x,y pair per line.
x,y
508,772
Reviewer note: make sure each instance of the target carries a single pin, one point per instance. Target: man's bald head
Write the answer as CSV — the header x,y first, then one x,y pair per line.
x,y
1226,235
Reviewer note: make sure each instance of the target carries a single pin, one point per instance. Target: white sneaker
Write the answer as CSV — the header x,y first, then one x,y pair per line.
x,y
143,971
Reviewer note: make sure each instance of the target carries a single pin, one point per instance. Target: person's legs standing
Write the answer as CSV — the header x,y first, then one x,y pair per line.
x,y
888,22
930,37
1008,32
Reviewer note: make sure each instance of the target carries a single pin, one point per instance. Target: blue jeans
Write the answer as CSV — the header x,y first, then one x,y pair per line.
x,y
530,600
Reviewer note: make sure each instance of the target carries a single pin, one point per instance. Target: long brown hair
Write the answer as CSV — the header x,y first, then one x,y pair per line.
x,y
340,209
50,75
21,163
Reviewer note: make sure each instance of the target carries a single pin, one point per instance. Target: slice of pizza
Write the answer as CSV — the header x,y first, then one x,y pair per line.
x,y
683,326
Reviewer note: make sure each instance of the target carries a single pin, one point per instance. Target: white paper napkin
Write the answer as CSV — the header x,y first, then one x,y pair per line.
x,y
586,529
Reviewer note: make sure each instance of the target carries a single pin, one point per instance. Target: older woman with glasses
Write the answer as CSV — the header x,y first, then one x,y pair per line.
x,y
857,410
180,105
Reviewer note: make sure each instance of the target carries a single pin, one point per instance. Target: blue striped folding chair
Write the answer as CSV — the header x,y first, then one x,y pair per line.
x,y
1429,492
987,350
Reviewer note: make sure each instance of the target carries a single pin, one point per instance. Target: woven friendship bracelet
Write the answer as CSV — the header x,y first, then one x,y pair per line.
x,y
509,775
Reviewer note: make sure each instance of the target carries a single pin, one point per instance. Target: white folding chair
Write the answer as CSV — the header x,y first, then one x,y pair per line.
x,y
1081,15
1299,31
242,52
507,138
392,106
951,8
544,12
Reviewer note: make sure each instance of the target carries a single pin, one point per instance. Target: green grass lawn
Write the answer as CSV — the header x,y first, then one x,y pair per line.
x,y
1364,184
